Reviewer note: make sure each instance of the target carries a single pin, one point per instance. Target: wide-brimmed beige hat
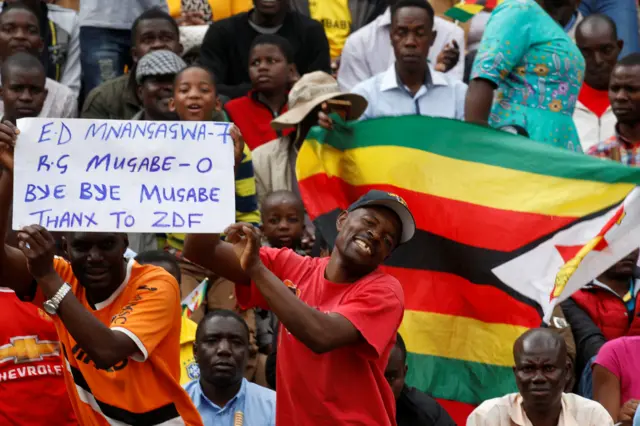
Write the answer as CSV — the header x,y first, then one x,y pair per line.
x,y
312,90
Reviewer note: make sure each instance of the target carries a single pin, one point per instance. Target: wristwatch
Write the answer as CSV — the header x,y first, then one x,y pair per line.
x,y
51,306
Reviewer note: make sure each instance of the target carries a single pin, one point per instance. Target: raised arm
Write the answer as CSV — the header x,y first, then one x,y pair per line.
x,y
14,272
218,256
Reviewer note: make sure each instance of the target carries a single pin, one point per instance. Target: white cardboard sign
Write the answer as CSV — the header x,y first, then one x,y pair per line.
x,y
124,176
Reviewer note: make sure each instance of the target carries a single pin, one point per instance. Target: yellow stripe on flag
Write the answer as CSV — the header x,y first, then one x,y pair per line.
x,y
470,8
475,183
460,338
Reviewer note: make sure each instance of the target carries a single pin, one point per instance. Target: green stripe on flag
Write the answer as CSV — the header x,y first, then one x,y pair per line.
x,y
478,144
458,14
457,380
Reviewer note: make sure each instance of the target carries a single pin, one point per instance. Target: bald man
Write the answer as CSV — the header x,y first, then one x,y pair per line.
x,y
597,39
541,372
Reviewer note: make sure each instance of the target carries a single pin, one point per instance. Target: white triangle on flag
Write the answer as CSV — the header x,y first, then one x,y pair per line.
x,y
533,274
191,301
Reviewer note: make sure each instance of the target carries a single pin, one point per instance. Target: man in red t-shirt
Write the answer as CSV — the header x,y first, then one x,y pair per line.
x,y
339,315
32,389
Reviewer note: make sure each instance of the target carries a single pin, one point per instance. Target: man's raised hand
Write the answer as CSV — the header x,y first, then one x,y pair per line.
x,y
8,136
246,241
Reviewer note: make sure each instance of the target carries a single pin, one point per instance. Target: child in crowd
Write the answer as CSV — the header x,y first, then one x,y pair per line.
x,y
272,71
283,220
282,226
195,98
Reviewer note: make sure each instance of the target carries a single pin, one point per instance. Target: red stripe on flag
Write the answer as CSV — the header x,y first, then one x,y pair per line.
x,y
489,4
459,411
466,223
448,294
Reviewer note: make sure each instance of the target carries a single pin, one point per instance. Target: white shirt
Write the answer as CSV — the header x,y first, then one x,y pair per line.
x,y
508,411
593,129
368,51
440,96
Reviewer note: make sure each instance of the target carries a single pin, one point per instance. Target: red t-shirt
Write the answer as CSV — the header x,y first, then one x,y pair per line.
x,y
346,385
253,118
32,388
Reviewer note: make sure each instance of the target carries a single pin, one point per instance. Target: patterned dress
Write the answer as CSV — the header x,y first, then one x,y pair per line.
x,y
538,71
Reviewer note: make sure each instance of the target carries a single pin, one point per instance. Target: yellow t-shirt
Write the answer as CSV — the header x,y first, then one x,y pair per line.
x,y
188,368
221,8
335,16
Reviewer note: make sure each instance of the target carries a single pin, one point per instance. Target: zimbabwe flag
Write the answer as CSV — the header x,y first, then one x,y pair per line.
x,y
466,10
486,203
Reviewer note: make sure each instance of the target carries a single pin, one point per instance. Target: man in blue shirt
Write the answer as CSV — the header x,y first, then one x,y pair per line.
x,y
222,395
410,86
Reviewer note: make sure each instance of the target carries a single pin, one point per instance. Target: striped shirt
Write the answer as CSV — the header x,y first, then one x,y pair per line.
x,y
246,203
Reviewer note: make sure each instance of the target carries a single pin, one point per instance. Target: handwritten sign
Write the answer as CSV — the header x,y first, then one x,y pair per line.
x,y
124,176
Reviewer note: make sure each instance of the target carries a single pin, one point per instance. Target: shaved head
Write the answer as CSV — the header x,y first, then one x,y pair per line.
x,y
597,25
541,371
597,39
538,340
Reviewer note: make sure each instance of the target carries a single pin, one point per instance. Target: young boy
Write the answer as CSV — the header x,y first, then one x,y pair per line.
x,y
23,86
283,220
195,98
282,226
272,71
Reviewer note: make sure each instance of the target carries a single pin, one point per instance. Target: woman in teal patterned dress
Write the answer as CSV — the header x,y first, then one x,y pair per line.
x,y
535,67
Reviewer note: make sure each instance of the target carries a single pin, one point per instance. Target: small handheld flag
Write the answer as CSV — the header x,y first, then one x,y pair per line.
x,y
195,299
466,10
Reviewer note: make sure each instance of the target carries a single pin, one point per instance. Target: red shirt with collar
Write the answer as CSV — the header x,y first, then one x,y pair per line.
x,y
253,118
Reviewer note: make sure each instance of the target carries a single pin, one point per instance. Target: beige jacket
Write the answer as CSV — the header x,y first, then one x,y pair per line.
x,y
272,167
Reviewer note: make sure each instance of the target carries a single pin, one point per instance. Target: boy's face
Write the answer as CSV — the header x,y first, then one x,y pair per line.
x,y
268,69
23,92
283,223
19,32
194,95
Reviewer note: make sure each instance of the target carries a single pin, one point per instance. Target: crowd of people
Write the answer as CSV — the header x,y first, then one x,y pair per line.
x,y
293,330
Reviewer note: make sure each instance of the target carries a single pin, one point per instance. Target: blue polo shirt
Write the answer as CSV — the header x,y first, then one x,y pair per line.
x,y
256,403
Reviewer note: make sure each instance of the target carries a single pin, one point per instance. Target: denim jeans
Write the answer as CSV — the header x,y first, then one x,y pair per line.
x,y
585,385
104,53
624,13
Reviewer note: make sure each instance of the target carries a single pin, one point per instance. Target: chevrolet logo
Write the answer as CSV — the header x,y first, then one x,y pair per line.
x,y
28,349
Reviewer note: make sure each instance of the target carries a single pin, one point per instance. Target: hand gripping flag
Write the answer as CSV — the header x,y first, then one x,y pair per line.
x,y
507,228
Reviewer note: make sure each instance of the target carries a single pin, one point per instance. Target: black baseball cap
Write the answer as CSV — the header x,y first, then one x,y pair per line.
x,y
393,202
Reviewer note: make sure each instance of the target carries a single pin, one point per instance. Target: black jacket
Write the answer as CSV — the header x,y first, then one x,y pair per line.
x,y
589,339
415,408
225,49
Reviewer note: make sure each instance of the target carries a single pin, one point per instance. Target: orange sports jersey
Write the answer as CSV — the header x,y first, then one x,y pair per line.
x,y
145,388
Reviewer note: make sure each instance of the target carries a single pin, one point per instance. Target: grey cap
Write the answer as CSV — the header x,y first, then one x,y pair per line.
x,y
159,62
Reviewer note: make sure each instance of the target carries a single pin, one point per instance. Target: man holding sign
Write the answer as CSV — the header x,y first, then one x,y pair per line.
x,y
118,321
